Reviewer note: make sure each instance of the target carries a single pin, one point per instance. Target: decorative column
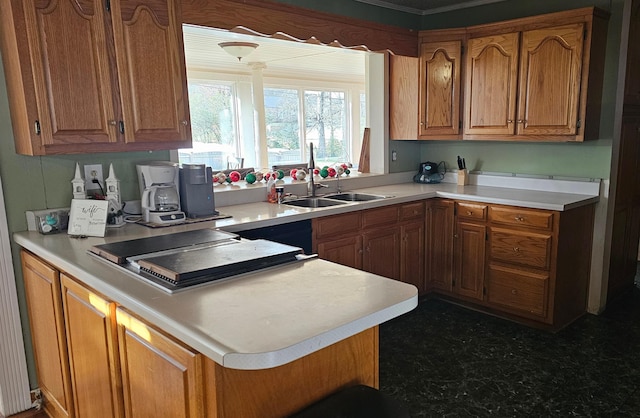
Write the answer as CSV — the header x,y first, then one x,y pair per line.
x,y
258,112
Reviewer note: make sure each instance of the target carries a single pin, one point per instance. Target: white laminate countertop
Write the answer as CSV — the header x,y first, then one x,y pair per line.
x,y
252,321
268,318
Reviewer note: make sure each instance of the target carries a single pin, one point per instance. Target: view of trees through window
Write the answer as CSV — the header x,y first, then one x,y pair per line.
x,y
323,115
213,125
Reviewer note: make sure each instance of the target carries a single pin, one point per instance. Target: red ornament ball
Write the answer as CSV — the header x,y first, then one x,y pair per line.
x,y
293,172
332,172
234,176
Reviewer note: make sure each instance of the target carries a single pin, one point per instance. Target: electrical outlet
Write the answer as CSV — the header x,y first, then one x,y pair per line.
x,y
93,171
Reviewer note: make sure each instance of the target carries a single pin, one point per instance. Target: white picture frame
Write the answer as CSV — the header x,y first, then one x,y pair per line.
x,y
88,217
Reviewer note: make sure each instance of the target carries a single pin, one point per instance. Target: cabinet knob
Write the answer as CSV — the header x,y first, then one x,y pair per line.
x,y
469,213
509,120
455,235
516,249
520,120
519,218
185,122
112,122
514,292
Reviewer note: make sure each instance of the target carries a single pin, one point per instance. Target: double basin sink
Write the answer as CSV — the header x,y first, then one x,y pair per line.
x,y
333,200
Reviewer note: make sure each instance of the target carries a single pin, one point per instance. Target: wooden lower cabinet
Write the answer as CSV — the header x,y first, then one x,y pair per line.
x,y
97,359
528,265
388,241
44,305
92,350
160,376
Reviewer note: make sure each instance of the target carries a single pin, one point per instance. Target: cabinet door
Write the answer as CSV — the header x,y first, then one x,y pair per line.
x,y
491,84
468,267
403,97
632,81
346,251
160,377
412,254
93,351
42,287
152,74
440,88
381,253
71,72
550,75
439,244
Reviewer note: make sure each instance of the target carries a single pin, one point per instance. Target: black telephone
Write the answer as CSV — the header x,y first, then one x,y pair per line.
x,y
430,172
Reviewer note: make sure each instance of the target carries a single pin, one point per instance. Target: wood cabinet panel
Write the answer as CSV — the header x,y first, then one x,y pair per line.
x,y
411,211
440,64
519,247
439,226
469,260
632,81
491,83
149,50
471,211
403,97
517,290
67,64
265,394
44,303
550,78
381,216
332,226
412,252
86,79
346,251
512,216
160,376
93,351
381,253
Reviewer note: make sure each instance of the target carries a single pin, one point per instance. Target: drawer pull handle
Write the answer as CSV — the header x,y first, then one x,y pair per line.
x,y
514,292
516,249
469,213
519,218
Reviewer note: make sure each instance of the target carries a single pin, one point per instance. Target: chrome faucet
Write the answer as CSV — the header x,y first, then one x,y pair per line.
x,y
312,185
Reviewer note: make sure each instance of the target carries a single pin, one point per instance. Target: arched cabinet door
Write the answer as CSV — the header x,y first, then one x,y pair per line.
x,y
550,77
491,85
149,49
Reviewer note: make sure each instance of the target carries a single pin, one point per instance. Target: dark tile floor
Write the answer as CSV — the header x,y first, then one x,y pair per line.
x,y
446,361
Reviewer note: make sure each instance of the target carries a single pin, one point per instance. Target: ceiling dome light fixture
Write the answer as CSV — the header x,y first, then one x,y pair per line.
x,y
238,49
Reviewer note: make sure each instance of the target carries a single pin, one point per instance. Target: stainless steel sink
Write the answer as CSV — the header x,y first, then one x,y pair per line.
x,y
355,197
314,202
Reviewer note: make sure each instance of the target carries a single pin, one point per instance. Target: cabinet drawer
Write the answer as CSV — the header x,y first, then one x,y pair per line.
x,y
518,290
331,226
380,216
412,211
524,248
471,211
521,217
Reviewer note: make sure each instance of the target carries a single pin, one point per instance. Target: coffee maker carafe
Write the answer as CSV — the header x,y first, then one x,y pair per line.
x,y
160,199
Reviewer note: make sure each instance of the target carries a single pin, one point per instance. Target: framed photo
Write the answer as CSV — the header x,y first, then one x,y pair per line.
x,y
88,217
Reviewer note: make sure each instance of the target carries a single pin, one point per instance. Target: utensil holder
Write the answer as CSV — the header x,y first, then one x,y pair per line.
x,y
463,177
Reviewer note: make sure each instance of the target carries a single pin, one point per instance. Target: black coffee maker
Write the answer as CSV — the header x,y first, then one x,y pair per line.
x,y
196,191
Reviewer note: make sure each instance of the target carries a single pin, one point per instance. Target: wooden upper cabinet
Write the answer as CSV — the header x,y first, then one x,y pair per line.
x,y
550,75
152,74
440,88
71,72
403,97
491,84
88,76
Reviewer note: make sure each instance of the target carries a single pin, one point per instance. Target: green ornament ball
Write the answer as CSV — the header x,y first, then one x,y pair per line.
x,y
347,171
280,174
250,178
324,173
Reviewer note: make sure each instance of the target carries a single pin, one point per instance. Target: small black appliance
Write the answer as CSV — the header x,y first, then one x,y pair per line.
x,y
430,172
196,191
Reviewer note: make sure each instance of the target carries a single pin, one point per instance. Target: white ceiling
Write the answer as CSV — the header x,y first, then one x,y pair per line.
x,y
285,58
426,7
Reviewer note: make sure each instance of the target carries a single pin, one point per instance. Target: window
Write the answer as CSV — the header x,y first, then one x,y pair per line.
x,y
213,124
311,93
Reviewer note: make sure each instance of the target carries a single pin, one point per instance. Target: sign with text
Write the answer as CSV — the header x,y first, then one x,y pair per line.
x,y
88,217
